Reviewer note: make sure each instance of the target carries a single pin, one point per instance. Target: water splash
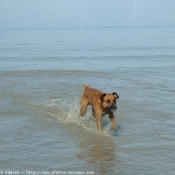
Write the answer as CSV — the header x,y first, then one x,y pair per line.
x,y
69,114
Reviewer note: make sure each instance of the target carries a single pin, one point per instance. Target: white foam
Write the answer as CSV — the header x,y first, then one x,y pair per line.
x,y
69,114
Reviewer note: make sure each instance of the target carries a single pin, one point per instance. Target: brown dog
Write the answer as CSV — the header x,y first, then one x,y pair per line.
x,y
101,103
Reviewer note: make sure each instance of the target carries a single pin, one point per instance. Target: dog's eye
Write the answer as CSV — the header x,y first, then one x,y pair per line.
x,y
108,101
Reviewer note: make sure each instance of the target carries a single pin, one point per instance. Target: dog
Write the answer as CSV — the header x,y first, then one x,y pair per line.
x,y
101,103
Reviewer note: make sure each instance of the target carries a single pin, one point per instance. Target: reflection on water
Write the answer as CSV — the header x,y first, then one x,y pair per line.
x,y
98,150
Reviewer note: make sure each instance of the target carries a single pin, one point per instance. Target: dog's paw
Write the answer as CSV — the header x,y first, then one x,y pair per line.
x,y
81,114
114,128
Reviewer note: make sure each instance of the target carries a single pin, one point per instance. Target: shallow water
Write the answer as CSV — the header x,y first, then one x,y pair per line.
x,y
50,49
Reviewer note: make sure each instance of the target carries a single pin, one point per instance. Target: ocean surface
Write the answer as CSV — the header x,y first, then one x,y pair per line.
x,y
50,48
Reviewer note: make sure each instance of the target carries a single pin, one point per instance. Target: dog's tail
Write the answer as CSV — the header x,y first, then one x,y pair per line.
x,y
86,86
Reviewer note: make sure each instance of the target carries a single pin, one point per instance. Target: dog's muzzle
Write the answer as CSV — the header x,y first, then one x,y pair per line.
x,y
111,108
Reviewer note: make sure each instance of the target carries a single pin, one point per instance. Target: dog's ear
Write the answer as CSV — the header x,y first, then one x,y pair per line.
x,y
102,97
115,95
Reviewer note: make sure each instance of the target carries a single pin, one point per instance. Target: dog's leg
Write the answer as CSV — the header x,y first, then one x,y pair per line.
x,y
84,103
113,121
93,112
99,124
98,117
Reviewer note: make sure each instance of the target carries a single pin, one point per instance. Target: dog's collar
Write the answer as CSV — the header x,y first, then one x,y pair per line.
x,y
108,109
105,110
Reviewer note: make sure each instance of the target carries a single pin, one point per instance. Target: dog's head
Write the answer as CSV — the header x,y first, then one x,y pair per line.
x,y
108,101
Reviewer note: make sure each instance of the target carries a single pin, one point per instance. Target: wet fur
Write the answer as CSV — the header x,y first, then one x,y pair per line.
x,y
101,103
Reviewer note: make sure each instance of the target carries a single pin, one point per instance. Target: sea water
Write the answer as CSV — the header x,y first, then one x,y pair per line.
x,y
50,49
